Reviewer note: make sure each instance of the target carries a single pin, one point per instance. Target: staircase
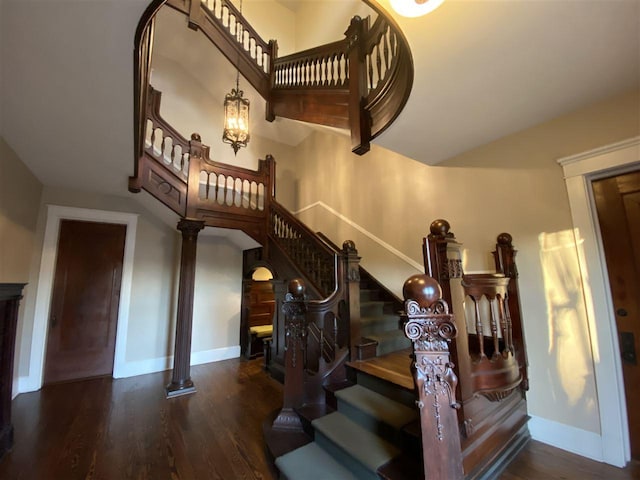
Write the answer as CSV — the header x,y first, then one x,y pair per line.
x,y
379,317
367,431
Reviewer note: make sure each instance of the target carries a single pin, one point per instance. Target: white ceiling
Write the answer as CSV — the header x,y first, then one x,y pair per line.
x,y
485,69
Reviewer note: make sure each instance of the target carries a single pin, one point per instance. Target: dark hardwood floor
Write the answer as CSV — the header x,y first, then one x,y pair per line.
x,y
125,429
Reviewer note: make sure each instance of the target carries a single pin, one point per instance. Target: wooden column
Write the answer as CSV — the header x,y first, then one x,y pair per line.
x,y
430,326
181,383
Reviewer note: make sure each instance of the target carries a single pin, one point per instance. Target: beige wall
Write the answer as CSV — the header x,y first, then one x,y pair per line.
x,y
152,309
20,193
512,185
218,293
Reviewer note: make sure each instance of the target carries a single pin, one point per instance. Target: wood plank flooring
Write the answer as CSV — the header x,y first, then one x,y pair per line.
x,y
125,429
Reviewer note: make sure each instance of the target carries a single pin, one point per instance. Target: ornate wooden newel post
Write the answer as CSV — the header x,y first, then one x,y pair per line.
x,y
181,379
294,309
430,326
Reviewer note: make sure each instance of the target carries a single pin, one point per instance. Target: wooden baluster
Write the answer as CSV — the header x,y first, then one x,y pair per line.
x,y
479,328
378,64
493,301
385,38
430,327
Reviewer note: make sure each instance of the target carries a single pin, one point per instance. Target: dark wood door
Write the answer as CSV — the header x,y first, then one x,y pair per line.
x,y
618,205
84,303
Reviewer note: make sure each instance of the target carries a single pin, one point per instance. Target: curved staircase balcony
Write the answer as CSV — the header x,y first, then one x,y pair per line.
x,y
360,82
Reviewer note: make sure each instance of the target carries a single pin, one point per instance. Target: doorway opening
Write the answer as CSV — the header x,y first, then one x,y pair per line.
x,y
258,310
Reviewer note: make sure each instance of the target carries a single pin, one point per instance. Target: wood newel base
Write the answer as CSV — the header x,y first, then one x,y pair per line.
x,y
181,383
430,327
294,309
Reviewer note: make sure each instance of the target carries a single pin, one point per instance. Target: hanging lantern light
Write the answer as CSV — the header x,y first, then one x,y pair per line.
x,y
236,118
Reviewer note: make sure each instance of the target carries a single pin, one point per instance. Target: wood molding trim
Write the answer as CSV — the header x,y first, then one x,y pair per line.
x,y
579,170
364,231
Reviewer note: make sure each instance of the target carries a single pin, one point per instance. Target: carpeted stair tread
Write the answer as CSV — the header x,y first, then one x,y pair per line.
x,y
311,462
377,406
359,443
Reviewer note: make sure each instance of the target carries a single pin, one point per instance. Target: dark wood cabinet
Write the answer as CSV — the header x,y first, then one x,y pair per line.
x,y
10,295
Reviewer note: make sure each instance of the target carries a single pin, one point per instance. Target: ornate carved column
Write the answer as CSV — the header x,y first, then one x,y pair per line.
x,y
430,326
181,383
294,309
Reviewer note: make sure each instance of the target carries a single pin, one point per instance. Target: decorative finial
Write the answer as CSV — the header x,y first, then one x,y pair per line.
x,y
297,287
505,239
423,289
440,228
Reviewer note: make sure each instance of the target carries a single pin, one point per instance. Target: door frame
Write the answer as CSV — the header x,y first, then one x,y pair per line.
x,y
55,214
579,171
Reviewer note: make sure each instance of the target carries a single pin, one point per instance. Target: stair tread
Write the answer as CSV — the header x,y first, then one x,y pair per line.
x,y
367,448
311,462
376,405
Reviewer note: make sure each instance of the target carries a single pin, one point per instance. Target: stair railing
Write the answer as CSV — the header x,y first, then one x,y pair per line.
x,y
227,28
361,82
487,350
179,173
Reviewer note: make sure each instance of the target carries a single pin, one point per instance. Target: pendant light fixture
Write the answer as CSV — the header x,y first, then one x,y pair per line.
x,y
236,107
415,8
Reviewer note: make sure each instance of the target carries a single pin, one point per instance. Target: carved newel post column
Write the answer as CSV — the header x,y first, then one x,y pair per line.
x,y
181,379
294,309
430,326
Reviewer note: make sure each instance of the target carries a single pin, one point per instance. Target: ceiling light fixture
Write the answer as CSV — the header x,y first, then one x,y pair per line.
x,y
415,8
236,108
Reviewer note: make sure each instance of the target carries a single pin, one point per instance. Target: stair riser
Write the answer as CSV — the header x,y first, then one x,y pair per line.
x,y
371,423
357,468
372,309
392,345
383,387
368,329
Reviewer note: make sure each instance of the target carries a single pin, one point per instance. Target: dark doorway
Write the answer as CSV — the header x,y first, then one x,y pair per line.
x,y
259,302
84,303
618,205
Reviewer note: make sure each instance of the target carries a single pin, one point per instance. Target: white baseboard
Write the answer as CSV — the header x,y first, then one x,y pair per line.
x,y
20,385
566,437
153,365
215,355
143,367
140,367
